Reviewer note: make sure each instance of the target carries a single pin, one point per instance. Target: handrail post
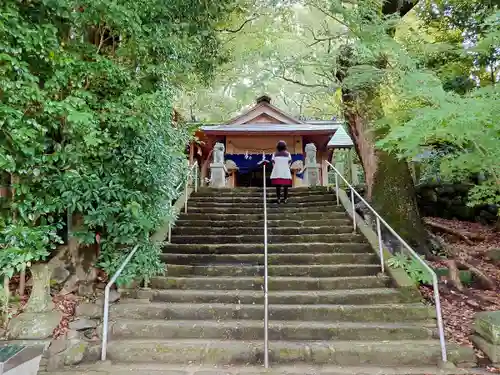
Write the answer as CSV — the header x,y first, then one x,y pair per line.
x,y
195,177
353,210
104,345
266,304
186,193
380,247
337,188
439,317
435,283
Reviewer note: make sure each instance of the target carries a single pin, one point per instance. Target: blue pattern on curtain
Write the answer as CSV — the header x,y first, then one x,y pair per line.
x,y
250,162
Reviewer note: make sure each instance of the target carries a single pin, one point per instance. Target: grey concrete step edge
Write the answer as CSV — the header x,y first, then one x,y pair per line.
x,y
282,210
332,228
278,255
278,266
345,353
125,309
313,237
298,199
258,240
277,324
340,296
271,205
256,282
314,270
259,216
390,312
278,330
259,194
251,230
108,368
290,223
289,245
281,258
258,191
297,248
339,292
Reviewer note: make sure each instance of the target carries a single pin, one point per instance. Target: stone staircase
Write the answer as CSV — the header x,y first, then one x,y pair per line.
x,y
329,304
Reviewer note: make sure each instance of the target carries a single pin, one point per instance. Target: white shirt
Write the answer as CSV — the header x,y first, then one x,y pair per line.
x,y
281,168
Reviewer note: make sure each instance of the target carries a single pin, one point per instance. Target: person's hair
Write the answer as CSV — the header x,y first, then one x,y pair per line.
x,y
281,146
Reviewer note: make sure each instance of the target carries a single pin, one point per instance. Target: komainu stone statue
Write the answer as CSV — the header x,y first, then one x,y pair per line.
x,y
312,167
219,153
311,154
217,168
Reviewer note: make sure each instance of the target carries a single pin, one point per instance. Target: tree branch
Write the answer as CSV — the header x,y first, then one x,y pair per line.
x,y
232,31
333,16
303,84
318,39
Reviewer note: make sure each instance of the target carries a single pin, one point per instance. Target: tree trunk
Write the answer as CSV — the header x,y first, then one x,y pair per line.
x,y
389,184
40,299
394,196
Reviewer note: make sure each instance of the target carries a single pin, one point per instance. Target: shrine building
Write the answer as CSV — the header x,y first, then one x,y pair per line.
x,y
230,154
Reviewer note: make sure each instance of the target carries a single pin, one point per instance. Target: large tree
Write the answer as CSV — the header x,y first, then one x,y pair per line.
x,y
86,131
359,59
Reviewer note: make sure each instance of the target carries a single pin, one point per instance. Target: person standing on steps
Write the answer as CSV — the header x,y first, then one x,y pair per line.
x,y
281,177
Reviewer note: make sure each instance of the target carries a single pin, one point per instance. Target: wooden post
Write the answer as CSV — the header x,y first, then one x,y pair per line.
x,y
191,153
351,166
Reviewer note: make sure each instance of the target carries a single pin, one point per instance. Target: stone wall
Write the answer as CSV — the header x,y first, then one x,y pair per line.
x,y
449,201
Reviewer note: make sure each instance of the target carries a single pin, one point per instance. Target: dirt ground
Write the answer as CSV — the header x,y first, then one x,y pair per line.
x,y
459,307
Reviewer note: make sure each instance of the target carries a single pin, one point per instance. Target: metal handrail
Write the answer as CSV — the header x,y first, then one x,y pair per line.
x,y
437,300
192,167
266,301
105,321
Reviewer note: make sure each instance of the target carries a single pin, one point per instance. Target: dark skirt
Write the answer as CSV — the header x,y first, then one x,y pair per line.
x,y
281,182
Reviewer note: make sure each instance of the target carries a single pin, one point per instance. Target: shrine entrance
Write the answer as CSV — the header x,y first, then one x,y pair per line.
x,y
253,178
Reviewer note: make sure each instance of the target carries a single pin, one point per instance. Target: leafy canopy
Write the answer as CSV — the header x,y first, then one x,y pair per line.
x,y
426,83
86,127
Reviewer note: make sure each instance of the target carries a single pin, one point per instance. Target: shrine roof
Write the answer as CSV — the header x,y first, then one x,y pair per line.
x,y
325,127
340,139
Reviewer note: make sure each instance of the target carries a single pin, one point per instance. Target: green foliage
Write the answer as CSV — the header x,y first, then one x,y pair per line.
x,y
268,55
414,268
17,239
428,118
413,85
466,27
86,119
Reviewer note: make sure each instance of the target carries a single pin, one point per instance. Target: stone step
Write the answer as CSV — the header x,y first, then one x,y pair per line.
x,y
343,353
258,192
337,270
273,238
273,259
278,330
166,369
292,199
286,223
275,283
337,297
390,312
232,216
258,230
289,248
283,210
271,205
